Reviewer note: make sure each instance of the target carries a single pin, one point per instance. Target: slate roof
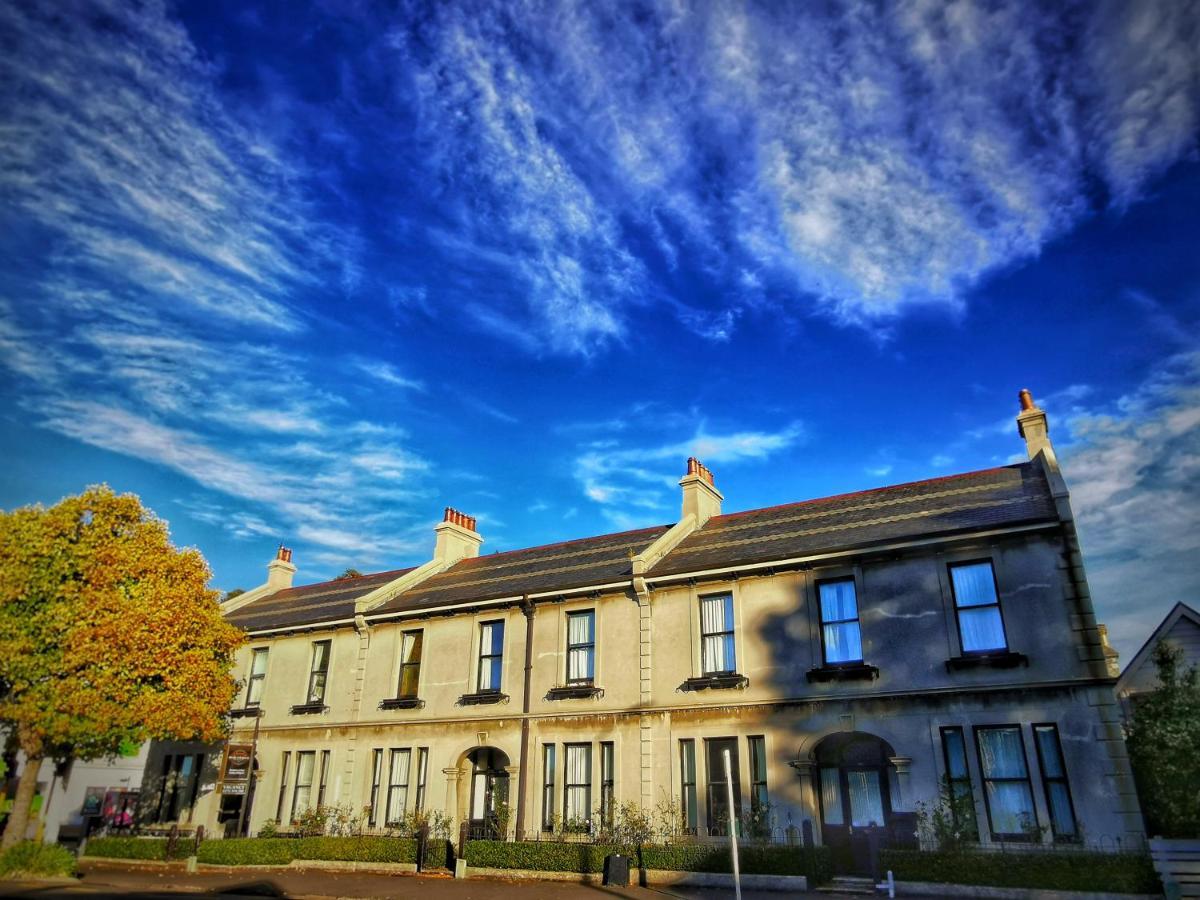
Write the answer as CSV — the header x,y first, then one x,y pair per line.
x,y
328,601
992,498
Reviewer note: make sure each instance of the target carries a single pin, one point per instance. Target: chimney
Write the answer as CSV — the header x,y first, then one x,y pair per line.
x,y
1032,425
700,496
280,570
456,537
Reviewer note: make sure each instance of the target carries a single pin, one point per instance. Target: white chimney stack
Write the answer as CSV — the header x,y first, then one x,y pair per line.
x,y
1032,425
280,570
456,538
700,496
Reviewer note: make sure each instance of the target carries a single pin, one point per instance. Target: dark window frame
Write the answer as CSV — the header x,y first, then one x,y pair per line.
x,y
548,764
960,786
1063,779
589,646
687,787
987,803
418,635
608,761
714,828
730,630
283,785
319,670
857,620
991,563
488,657
300,754
323,778
422,778
393,785
376,780
260,678
757,746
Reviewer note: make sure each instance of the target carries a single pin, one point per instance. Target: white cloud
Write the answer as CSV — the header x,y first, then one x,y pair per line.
x,y
387,373
1134,473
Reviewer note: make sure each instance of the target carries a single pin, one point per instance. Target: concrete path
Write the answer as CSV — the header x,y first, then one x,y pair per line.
x,y
109,880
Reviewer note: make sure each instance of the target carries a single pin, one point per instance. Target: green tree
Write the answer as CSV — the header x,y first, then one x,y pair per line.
x,y
349,573
1163,738
109,636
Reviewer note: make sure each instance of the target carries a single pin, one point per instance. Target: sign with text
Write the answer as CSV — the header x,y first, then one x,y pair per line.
x,y
234,789
237,764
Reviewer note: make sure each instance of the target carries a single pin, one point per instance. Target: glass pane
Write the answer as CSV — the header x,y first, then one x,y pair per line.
x,y
317,693
714,654
411,651
982,629
303,793
831,796
843,643
497,638
1011,806
256,688
1061,818
579,628
495,666
712,615
1001,753
758,760
304,768
579,664
973,584
397,800
258,666
866,802
956,756
479,795
410,676
1051,757
321,656
838,601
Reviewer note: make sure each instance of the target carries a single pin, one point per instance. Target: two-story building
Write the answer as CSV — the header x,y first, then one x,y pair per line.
x,y
851,653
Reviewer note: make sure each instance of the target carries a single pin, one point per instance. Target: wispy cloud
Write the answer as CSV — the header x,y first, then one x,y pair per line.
x,y
861,158
386,373
638,485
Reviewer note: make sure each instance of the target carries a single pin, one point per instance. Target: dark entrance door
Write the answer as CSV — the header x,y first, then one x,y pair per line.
x,y
489,793
855,801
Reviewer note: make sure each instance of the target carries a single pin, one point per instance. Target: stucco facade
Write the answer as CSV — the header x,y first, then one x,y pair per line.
x,y
826,742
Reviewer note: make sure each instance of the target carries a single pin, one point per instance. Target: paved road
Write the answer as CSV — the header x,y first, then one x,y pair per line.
x,y
104,880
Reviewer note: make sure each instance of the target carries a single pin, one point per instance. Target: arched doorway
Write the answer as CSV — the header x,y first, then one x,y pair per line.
x,y
487,805
853,785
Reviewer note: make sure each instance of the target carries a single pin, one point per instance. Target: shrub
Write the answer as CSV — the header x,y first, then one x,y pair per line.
x,y
33,858
129,847
555,856
1123,873
248,851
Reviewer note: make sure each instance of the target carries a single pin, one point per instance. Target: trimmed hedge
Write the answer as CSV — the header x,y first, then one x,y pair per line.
x,y
1066,870
281,851
34,858
565,856
136,848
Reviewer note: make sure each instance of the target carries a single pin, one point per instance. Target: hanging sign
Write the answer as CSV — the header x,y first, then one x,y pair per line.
x,y
237,764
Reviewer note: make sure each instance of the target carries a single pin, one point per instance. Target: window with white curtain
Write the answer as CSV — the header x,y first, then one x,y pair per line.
x,y
258,675
410,664
840,635
1054,778
1006,781
831,797
577,785
581,647
397,795
318,676
980,624
716,634
491,655
306,763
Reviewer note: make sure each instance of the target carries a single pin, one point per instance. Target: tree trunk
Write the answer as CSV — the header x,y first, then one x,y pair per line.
x,y
18,819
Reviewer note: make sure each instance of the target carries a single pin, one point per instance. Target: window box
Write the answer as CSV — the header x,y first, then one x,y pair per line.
x,y
1004,659
574,692
402,703
305,709
858,671
482,698
247,712
721,681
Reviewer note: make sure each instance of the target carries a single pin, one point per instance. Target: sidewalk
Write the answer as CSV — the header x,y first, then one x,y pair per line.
x,y
113,880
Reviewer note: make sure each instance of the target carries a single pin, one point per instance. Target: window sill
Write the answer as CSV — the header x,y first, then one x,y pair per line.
x,y
402,703
721,682
246,712
858,671
307,709
482,698
1000,659
574,692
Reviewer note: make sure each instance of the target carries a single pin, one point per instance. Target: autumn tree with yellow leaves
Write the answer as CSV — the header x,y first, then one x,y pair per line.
x,y
109,636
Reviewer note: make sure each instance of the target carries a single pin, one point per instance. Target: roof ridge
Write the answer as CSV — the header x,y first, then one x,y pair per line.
x,y
315,584
849,494
580,540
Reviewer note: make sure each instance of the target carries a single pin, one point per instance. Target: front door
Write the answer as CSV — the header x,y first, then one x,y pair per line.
x,y
489,789
854,801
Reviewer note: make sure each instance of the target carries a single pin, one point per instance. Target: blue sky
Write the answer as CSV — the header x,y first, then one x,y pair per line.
x,y
311,275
